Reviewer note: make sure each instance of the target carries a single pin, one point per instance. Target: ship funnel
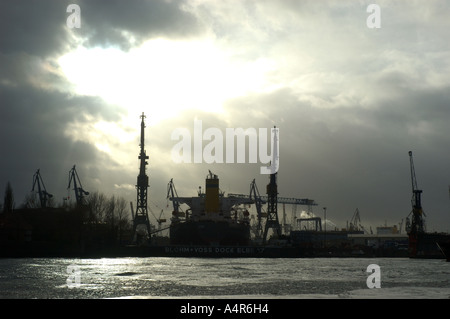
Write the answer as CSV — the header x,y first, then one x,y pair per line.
x,y
212,194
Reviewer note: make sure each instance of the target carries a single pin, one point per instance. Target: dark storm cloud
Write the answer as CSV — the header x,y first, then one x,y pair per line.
x,y
39,27
34,27
113,23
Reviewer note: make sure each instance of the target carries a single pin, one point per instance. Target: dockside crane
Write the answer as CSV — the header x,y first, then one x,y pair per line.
x,y
79,191
283,200
272,221
415,228
44,196
141,215
355,222
272,202
256,197
417,224
260,200
173,195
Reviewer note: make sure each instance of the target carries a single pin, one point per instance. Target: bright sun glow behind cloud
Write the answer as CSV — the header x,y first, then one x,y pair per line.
x,y
164,76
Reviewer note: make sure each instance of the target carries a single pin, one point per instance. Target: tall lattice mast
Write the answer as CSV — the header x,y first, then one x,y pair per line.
x,y
272,202
141,215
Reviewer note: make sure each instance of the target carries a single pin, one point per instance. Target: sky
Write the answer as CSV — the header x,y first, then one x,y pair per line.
x,y
350,99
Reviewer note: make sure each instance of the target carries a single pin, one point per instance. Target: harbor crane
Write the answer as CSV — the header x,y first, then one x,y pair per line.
x,y
172,195
417,224
44,196
141,215
254,195
272,221
79,191
416,227
260,200
272,208
355,222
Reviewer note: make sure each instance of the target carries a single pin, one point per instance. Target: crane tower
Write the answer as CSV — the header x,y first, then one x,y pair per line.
x,y
141,215
43,195
416,229
417,222
79,191
254,194
272,203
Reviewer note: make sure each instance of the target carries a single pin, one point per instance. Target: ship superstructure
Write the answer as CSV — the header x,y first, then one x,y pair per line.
x,y
212,218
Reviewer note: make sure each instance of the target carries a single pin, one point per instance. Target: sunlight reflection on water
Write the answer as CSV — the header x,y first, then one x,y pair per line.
x,y
188,277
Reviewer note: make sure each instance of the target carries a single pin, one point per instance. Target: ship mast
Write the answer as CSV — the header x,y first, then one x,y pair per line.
x,y
141,215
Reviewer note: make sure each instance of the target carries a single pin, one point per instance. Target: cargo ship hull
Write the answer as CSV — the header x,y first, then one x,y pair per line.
x,y
210,233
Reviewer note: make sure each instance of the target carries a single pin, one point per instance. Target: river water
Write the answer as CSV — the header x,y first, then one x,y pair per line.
x,y
209,278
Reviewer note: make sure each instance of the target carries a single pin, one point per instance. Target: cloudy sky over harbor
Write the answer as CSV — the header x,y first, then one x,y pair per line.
x,y
350,101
